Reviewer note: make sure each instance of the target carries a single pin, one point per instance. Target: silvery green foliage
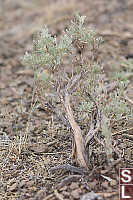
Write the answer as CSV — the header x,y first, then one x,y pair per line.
x,y
48,53
82,34
118,105
65,45
121,75
86,106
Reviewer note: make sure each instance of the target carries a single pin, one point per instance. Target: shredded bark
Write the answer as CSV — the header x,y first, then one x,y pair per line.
x,y
79,144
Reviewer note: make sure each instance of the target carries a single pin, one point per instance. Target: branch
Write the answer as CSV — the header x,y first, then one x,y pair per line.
x,y
79,147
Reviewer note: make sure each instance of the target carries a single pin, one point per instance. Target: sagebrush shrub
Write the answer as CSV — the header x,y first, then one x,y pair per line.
x,y
85,78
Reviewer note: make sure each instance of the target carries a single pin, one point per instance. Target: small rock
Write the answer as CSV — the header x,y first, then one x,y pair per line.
x,y
76,193
113,183
91,196
74,186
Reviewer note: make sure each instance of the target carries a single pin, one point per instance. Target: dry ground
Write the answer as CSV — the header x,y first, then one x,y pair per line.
x,y
33,143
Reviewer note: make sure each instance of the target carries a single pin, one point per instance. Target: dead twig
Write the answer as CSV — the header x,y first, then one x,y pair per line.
x,y
95,121
94,128
68,167
122,131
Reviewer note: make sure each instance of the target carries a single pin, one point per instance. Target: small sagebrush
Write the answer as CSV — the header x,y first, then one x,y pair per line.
x,y
99,100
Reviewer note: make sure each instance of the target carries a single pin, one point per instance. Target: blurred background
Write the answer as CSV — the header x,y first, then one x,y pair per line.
x,y
20,19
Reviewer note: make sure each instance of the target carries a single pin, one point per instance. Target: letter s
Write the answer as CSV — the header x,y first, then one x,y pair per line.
x,y
126,173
